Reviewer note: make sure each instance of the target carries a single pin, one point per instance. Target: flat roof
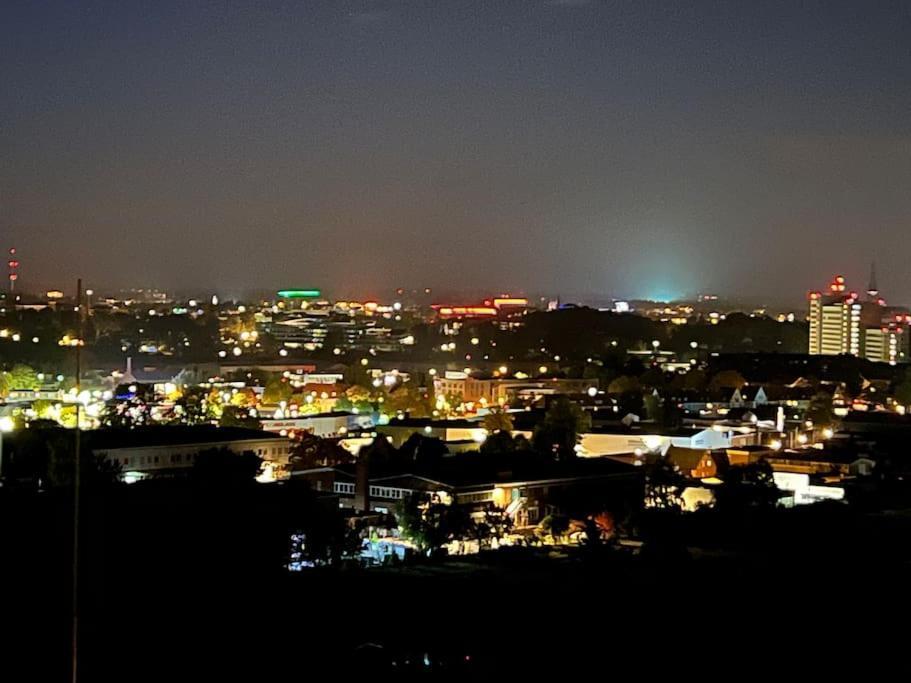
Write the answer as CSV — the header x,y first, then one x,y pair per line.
x,y
169,435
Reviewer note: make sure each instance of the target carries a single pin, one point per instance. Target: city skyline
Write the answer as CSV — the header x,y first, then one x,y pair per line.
x,y
579,148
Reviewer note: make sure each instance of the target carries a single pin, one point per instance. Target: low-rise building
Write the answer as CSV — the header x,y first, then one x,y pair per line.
x,y
325,425
525,487
167,450
500,390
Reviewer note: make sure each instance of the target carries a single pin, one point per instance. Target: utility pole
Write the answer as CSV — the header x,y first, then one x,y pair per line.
x,y
77,482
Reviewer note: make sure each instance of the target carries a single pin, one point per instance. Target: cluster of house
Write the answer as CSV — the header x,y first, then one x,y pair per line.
x,y
746,425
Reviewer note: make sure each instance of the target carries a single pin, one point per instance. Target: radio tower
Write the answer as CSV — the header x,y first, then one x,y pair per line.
x,y
872,288
13,264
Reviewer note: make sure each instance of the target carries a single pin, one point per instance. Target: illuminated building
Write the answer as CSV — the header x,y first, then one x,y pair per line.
x,y
494,391
841,323
502,306
834,321
887,344
464,311
165,450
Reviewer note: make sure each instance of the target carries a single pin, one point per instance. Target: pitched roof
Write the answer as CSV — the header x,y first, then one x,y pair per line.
x,y
685,458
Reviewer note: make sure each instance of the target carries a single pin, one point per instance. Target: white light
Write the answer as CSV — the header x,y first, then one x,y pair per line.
x,y
593,391
652,442
283,352
34,340
7,424
237,351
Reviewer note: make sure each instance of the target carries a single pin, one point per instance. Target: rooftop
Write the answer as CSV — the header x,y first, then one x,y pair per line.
x,y
168,435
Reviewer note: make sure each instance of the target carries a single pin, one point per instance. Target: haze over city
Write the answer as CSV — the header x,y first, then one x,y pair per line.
x,y
582,148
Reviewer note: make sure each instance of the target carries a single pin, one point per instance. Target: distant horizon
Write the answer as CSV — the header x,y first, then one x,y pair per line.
x,y
631,149
453,296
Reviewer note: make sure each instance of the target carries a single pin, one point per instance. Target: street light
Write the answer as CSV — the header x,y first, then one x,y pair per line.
x,y
6,425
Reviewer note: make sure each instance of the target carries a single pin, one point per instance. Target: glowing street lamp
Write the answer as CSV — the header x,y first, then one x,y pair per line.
x,y
6,425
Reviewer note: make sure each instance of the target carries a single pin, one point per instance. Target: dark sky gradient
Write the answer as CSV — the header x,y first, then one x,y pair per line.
x,y
631,148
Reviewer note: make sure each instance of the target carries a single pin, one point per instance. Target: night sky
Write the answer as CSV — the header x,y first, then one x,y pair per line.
x,y
572,147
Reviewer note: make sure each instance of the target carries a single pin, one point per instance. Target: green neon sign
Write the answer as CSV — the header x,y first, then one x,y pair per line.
x,y
299,293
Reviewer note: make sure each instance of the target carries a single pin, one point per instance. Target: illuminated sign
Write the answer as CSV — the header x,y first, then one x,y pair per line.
x,y
465,311
509,301
299,293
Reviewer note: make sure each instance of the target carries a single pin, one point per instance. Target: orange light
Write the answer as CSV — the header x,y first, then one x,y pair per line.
x,y
473,311
510,301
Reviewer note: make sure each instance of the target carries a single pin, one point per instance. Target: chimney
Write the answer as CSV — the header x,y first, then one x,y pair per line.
x,y
362,485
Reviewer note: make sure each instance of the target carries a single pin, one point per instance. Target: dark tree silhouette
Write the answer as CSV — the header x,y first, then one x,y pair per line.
x,y
224,467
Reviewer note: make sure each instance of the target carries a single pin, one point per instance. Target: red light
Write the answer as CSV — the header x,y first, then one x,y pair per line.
x,y
13,264
12,251
840,279
833,287
814,295
13,277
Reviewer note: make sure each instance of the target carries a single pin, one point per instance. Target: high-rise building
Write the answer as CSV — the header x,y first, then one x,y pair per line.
x,y
835,320
841,323
886,344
